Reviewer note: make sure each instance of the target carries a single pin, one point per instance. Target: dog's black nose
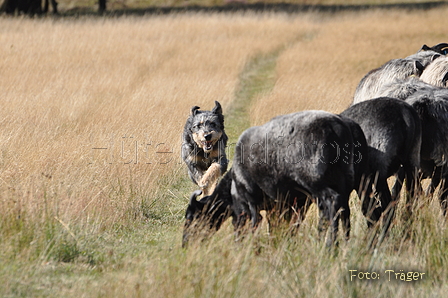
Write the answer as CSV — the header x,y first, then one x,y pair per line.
x,y
208,136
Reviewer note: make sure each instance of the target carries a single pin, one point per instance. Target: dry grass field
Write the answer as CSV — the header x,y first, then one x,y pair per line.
x,y
92,187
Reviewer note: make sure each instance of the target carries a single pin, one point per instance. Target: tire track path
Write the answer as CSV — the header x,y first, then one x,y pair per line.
x,y
257,78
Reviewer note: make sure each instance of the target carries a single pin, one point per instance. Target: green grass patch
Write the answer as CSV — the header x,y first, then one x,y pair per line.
x,y
257,78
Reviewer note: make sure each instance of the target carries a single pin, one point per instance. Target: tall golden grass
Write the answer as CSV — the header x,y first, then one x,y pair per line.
x,y
91,183
322,70
90,104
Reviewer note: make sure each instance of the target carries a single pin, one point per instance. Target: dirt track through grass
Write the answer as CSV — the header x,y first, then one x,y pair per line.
x,y
257,78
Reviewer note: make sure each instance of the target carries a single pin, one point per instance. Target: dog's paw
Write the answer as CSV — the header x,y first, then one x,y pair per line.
x,y
203,184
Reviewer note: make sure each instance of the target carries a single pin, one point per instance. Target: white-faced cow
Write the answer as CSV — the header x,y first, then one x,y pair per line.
x,y
436,73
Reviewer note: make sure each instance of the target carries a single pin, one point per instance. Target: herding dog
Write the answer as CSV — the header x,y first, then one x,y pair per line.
x,y
203,147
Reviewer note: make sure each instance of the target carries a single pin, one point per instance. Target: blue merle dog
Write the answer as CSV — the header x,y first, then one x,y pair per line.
x,y
203,147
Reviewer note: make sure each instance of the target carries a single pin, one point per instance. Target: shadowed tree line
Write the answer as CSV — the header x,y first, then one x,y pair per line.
x,y
33,7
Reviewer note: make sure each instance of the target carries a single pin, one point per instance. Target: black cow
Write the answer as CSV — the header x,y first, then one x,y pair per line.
x,y
287,163
431,104
393,132
432,107
28,6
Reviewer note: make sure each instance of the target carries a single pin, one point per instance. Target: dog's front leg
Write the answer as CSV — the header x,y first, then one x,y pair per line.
x,y
210,179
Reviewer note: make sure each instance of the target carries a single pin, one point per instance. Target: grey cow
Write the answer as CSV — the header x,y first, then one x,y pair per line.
x,y
412,65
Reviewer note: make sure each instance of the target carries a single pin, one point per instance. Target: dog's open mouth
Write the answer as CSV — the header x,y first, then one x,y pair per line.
x,y
207,145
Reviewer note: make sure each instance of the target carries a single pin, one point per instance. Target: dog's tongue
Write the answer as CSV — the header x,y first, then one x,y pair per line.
x,y
208,145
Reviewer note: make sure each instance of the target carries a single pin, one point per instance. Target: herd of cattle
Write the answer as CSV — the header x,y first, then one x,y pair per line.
x,y
397,126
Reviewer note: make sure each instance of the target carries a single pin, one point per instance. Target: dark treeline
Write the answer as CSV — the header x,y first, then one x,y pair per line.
x,y
33,7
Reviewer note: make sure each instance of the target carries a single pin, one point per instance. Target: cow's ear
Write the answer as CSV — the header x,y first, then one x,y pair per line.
x,y
435,56
194,110
194,203
445,79
425,48
418,68
441,48
217,109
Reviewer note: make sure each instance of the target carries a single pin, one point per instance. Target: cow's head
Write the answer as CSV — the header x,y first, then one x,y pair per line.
x,y
206,215
441,48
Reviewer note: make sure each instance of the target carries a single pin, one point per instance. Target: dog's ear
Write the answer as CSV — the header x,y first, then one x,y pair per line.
x,y
217,109
194,110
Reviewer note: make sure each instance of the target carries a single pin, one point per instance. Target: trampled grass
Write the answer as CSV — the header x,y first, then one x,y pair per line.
x,y
92,187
